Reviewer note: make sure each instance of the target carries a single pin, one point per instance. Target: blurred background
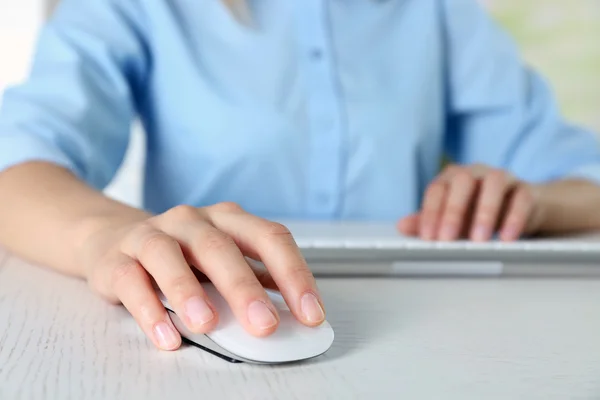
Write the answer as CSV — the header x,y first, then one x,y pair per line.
x,y
560,38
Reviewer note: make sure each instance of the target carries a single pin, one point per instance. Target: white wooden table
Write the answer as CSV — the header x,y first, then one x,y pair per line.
x,y
396,338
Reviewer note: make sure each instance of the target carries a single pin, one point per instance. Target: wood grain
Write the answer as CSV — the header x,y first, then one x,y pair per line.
x,y
425,339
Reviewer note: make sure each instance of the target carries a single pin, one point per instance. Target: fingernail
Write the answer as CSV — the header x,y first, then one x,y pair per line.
x,y
166,336
261,316
480,233
311,309
448,232
198,311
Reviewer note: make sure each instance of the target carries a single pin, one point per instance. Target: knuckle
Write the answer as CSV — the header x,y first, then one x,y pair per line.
x,y
184,212
497,176
157,242
243,283
216,240
301,273
463,177
275,229
138,237
228,206
124,271
142,229
181,284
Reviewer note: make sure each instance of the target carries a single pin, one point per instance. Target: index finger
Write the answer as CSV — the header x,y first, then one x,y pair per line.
x,y
273,244
162,257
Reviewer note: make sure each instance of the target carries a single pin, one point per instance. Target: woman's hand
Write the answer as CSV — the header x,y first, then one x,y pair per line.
x,y
123,263
475,202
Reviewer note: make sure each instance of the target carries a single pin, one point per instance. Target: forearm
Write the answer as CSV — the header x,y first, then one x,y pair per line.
x,y
46,213
569,206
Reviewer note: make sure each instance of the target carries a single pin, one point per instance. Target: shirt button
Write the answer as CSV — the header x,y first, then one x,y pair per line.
x,y
316,54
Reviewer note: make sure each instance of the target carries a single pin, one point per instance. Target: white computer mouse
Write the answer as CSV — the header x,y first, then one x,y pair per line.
x,y
291,342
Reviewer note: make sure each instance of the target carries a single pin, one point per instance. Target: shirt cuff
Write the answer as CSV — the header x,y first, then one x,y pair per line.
x,y
20,148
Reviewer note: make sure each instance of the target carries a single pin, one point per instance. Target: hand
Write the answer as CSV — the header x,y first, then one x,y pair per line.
x,y
123,262
475,202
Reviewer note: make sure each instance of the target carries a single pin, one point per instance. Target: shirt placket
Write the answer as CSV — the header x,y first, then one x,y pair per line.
x,y
323,108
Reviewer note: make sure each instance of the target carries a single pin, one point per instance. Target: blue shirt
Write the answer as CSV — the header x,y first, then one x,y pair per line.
x,y
313,109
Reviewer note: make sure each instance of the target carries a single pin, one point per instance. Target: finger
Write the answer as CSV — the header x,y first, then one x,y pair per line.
x,y
494,189
409,225
161,255
132,285
218,257
262,274
480,170
274,245
449,171
432,209
471,208
460,192
519,211
260,271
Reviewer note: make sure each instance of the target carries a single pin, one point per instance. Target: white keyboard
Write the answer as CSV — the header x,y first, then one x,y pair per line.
x,y
546,246
354,239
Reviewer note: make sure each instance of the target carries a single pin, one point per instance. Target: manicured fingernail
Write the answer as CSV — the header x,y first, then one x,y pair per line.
x,y
311,309
261,316
198,311
480,233
166,336
448,232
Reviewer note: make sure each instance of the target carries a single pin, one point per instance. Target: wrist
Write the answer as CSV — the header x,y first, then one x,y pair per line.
x,y
567,206
95,223
543,209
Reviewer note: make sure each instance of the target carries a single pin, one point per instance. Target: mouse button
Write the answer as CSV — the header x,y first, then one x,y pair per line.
x,y
214,295
233,338
291,329
291,341
219,303
277,300
289,326
164,301
283,343
297,341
